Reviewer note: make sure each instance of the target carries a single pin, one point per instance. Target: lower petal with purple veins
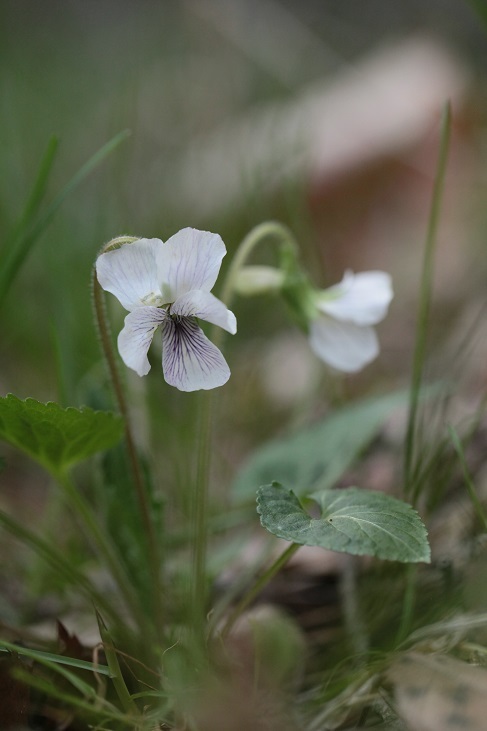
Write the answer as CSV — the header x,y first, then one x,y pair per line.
x,y
189,360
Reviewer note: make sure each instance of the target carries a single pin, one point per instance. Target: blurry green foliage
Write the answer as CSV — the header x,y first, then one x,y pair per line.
x,y
315,458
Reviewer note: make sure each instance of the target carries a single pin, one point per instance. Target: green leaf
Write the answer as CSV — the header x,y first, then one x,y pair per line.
x,y
317,457
352,520
57,437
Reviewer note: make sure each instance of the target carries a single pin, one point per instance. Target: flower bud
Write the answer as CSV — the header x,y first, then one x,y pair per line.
x,y
256,280
117,242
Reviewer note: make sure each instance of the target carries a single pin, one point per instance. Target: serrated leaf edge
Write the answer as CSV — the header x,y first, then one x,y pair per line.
x,y
425,556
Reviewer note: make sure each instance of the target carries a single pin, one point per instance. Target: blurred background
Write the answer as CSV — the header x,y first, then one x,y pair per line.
x,y
324,114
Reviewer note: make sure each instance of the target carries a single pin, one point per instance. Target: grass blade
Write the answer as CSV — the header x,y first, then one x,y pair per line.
x,y
86,709
63,568
19,251
121,689
479,510
425,295
51,658
37,193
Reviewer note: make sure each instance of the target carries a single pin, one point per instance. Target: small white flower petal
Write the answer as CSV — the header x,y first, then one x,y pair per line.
x,y
135,338
360,298
207,307
189,360
190,259
130,272
343,345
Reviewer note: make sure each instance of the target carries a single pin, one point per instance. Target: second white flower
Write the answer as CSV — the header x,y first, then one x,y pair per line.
x,y
341,333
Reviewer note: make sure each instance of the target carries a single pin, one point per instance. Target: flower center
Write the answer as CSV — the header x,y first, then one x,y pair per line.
x,y
153,299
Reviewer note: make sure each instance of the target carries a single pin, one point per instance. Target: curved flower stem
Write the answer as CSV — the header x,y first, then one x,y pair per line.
x,y
267,230
107,347
261,582
200,517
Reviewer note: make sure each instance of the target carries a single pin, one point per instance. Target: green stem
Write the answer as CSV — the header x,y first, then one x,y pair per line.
x,y
269,229
408,605
353,616
154,557
425,293
200,516
261,582
128,704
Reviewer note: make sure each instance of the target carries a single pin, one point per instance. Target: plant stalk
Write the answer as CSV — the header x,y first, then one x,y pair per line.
x,y
200,516
408,605
154,557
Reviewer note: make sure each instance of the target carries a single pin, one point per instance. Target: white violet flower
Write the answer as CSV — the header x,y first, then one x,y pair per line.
x,y
340,330
168,285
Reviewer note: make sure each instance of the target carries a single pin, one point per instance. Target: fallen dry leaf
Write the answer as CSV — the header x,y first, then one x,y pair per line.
x,y
439,693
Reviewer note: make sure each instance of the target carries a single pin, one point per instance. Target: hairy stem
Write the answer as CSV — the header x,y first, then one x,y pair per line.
x,y
154,556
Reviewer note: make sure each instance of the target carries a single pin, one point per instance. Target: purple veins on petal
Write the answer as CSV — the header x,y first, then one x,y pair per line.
x,y
205,306
189,360
136,336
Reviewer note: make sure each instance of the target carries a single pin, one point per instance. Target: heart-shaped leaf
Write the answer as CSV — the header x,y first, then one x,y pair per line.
x,y
356,521
57,437
315,458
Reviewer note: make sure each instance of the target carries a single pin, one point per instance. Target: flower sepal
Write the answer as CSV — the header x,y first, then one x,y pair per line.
x,y
300,296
